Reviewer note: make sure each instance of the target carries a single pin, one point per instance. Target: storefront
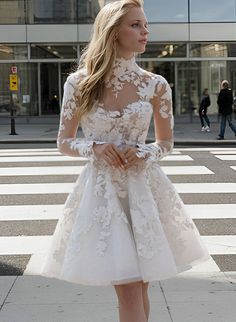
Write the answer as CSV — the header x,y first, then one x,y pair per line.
x,y
183,55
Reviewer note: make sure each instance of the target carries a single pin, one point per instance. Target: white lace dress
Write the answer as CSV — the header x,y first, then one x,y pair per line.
x,y
121,226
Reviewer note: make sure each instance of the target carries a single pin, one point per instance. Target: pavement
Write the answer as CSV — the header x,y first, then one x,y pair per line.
x,y
198,295
44,130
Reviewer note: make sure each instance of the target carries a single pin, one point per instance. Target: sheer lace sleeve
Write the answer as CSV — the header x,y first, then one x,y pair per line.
x,y
163,122
67,143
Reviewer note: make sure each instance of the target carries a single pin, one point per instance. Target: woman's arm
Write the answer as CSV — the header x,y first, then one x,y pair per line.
x,y
163,122
67,143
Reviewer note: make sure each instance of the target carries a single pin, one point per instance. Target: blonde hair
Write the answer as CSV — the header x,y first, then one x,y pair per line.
x,y
99,56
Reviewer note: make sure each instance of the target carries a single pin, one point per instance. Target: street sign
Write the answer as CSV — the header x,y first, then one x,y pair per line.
x,y
13,82
14,69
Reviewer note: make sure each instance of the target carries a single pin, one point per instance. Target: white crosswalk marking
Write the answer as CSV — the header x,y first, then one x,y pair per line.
x,y
36,171
35,245
52,188
230,157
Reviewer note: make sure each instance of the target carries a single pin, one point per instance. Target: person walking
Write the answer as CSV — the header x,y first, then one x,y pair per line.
x,y
123,224
225,102
204,103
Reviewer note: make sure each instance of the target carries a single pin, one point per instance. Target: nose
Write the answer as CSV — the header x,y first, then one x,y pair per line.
x,y
145,31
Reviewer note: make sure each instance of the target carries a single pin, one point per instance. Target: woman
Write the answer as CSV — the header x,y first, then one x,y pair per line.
x,y
124,223
205,102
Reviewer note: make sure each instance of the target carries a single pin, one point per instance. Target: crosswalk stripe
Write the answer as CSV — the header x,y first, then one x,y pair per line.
x,y
223,152
47,212
30,212
212,187
14,154
68,158
38,171
205,149
231,157
29,150
177,158
41,158
42,151
10,245
53,188
211,211
186,170
62,170
36,245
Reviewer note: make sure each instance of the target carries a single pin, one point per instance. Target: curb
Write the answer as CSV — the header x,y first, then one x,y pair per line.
x,y
176,142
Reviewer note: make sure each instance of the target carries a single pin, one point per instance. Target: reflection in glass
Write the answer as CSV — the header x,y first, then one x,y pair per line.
x,y
26,101
209,50
13,51
52,11
49,88
87,10
166,10
165,50
62,11
212,10
12,12
53,51
219,49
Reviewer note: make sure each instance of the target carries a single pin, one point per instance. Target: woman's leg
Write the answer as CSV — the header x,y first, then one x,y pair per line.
x,y
231,125
207,119
146,303
201,118
130,298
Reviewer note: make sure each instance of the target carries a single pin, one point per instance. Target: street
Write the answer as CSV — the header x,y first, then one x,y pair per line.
x,y
34,183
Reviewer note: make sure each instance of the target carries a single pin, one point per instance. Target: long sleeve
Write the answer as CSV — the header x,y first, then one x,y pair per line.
x,y
67,143
163,122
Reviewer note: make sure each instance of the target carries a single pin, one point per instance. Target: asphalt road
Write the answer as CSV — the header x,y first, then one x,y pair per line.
x,y
210,188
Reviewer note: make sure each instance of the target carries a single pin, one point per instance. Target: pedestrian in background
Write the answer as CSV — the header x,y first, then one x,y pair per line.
x,y
204,103
225,102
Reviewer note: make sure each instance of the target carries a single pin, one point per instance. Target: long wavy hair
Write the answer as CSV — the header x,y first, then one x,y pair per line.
x,y
99,56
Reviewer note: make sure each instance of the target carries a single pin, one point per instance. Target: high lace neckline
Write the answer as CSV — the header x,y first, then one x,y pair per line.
x,y
122,70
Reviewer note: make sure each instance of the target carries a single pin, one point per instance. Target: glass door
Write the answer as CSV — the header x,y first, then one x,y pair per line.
x,y
49,88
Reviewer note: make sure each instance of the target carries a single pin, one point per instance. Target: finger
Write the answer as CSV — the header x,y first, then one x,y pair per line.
x,y
108,160
114,159
119,154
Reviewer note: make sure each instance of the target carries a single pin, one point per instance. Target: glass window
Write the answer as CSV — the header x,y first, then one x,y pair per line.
x,y
166,10
87,10
13,52
212,10
53,51
52,11
12,12
210,50
62,11
26,98
164,50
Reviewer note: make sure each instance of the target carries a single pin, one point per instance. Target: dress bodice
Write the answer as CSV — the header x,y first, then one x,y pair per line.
x,y
130,98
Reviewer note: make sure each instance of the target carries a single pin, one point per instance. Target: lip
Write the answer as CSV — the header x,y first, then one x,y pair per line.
x,y
143,41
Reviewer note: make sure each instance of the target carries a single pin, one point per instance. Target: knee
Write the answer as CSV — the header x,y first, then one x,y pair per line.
x,y
129,293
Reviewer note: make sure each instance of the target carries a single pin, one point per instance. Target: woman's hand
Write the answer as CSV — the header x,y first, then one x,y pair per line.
x,y
111,154
131,157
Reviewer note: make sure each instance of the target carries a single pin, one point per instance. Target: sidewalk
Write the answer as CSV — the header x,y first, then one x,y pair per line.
x,y
192,296
45,131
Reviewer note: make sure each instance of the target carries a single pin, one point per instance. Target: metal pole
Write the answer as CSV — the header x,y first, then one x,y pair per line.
x,y
12,111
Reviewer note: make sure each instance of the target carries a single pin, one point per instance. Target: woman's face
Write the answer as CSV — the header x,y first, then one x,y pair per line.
x,y
133,33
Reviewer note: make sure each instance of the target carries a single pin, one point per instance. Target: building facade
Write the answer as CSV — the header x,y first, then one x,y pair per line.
x,y
192,43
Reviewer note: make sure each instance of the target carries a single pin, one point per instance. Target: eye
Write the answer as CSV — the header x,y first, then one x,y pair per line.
x,y
135,24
